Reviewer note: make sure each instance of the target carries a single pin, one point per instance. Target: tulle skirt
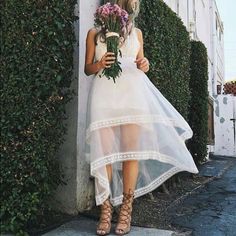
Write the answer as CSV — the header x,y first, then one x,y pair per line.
x,y
132,120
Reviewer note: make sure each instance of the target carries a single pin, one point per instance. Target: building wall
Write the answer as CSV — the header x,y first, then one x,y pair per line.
x,y
182,10
225,112
85,189
219,37
78,193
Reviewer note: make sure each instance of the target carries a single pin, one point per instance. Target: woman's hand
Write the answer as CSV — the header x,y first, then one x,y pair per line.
x,y
91,67
107,60
142,64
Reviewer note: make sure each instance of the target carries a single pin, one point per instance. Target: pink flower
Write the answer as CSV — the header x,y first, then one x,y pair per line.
x,y
111,17
105,11
117,10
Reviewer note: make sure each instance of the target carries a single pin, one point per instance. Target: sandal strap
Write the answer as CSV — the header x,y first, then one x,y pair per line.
x,y
106,214
126,208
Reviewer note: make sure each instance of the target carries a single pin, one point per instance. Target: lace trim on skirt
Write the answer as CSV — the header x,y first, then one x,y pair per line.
x,y
135,119
140,155
116,157
141,191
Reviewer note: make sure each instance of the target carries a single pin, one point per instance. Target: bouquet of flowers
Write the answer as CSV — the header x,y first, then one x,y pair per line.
x,y
113,22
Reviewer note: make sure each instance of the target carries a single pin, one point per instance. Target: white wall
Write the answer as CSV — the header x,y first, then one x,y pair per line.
x,y
219,47
78,193
172,4
182,10
203,32
85,192
225,110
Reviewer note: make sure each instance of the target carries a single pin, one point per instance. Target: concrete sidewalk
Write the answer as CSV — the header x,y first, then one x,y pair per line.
x,y
84,226
87,226
215,186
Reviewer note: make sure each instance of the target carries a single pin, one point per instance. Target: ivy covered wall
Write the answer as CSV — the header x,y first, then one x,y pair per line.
x,y
36,73
167,46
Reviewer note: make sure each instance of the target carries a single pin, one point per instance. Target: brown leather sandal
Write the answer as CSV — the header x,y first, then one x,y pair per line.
x,y
124,221
104,224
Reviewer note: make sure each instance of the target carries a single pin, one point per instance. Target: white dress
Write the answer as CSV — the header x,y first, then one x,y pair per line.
x,y
132,120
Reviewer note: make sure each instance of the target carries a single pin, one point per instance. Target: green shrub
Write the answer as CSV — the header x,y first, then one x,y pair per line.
x,y
167,46
198,116
36,73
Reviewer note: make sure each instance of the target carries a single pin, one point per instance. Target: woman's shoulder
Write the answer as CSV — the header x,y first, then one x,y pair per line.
x,y
92,35
139,31
92,32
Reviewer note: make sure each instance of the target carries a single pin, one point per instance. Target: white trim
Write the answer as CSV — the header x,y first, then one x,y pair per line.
x,y
137,156
139,192
130,119
140,155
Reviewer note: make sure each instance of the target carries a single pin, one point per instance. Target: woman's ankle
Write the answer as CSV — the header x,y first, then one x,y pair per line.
x,y
128,196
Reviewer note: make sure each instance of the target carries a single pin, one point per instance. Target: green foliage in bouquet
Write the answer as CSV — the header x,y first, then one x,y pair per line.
x,y
167,46
112,22
115,70
36,73
198,115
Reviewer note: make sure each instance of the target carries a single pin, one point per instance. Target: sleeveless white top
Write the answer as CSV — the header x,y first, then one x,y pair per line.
x,y
130,48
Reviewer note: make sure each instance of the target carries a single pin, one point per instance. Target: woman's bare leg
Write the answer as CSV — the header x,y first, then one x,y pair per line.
x,y
129,138
107,141
108,138
130,175
109,172
129,141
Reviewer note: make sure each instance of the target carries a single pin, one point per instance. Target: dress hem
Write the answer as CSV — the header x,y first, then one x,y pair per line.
x,y
142,191
148,155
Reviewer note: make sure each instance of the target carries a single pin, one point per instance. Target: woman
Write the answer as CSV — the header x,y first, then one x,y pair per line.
x,y
136,138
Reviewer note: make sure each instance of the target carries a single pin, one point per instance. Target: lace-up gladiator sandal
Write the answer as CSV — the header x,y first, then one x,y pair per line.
x,y
104,224
124,220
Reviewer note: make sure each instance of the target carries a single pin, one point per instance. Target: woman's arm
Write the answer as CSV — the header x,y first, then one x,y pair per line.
x,y
142,62
90,66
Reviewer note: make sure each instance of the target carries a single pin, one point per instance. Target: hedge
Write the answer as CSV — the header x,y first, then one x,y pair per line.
x,y
167,46
198,116
36,73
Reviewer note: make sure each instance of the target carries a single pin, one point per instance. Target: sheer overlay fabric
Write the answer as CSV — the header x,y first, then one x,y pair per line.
x,y
132,120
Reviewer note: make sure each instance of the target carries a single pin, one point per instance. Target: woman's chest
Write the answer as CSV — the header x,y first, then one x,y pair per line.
x,y
130,48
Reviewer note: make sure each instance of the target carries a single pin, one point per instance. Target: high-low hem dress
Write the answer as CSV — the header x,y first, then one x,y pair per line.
x,y
132,120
